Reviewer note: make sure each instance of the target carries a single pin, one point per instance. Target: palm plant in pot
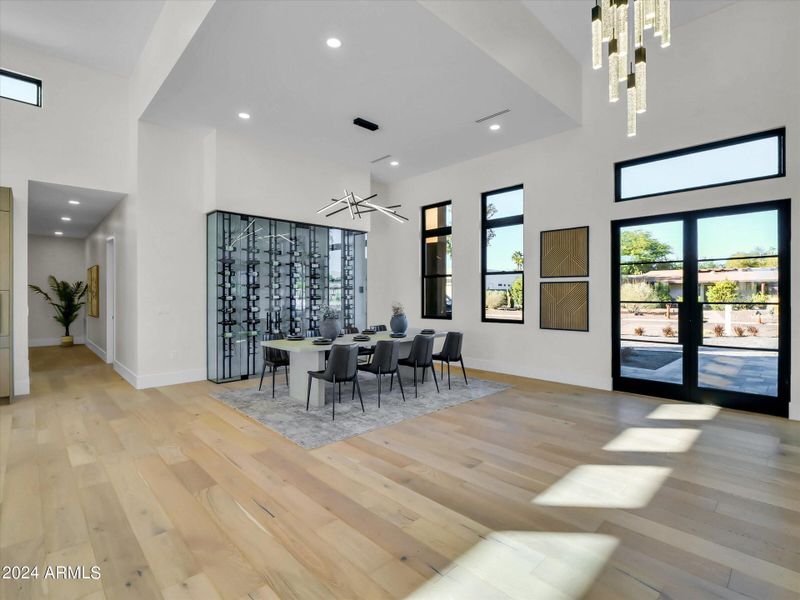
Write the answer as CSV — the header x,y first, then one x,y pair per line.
x,y
329,326
67,300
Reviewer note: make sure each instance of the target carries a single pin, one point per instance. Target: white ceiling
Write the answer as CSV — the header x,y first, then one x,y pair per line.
x,y
48,202
104,34
399,66
570,20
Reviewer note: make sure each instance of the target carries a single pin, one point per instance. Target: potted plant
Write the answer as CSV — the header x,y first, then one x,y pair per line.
x,y
329,326
399,321
67,303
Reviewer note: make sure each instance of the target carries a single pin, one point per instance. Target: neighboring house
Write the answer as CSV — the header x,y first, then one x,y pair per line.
x,y
501,283
750,281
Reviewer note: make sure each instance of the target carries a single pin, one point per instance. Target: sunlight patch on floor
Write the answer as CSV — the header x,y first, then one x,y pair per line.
x,y
651,439
605,486
525,565
685,412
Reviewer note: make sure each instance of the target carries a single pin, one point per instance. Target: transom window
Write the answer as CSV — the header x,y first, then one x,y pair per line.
x,y
20,88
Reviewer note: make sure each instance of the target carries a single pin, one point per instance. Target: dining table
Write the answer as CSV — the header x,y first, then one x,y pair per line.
x,y
305,356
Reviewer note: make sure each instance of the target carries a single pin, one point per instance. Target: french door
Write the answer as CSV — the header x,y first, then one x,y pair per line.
x,y
701,306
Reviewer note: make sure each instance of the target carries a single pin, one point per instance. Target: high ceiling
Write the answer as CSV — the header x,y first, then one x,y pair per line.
x,y
48,202
399,66
104,34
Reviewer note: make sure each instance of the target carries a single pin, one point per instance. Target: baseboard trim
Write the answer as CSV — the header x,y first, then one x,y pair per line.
x,y
96,349
596,383
40,342
174,378
126,373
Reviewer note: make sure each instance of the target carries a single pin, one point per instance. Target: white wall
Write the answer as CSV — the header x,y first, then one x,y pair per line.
x,y
708,85
63,258
78,137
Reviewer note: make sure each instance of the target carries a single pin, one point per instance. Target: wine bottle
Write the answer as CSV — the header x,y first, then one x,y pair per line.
x,y
227,298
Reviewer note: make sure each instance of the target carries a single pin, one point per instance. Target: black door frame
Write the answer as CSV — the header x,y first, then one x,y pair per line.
x,y
690,336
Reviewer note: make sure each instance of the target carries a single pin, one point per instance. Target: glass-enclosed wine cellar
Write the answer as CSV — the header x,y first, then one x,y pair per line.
x,y
268,277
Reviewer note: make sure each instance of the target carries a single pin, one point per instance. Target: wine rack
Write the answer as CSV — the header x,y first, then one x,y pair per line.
x,y
269,277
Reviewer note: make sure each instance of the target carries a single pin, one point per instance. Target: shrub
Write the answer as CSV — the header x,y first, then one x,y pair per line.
x,y
718,330
668,331
752,330
496,299
516,293
739,331
639,331
632,293
722,291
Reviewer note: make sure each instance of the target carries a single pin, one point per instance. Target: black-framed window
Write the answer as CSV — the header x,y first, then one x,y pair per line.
x,y
437,261
502,260
736,160
20,88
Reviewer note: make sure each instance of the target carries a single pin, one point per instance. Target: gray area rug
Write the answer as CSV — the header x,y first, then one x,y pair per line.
x,y
314,428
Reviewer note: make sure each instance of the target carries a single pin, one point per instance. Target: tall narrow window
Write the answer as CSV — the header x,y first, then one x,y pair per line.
x,y
21,88
502,257
437,261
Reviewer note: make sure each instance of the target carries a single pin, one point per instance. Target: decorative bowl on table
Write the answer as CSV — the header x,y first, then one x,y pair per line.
x,y
295,338
368,331
322,342
428,331
361,338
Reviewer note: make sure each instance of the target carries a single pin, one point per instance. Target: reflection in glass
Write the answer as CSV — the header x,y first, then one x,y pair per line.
x,y
649,323
504,248
651,361
735,370
438,259
504,297
437,297
504,204
438,216
741,325
650,243
657,282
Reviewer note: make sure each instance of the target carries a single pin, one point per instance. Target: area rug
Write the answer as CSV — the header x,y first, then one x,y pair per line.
x,y
315,428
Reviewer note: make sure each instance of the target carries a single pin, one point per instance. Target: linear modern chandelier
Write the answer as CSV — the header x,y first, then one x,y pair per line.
x,y
359,206
610,24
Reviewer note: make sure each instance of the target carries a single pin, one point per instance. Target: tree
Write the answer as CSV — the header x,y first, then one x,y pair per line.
x,y
516,293
641,246
755,258
518,259
68,300
491,210
726,292
633,294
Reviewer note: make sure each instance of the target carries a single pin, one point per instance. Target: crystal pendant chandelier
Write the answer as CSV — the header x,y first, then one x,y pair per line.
x,y
610,24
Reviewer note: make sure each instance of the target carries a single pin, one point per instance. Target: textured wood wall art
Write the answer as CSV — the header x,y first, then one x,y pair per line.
x,y
564,305
93,301
565,252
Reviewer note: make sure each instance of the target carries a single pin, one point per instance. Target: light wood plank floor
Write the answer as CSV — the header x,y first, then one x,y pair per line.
x,y
541,491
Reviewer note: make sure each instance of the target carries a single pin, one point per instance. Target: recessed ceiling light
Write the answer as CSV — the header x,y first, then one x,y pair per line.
x,y
66,218
58,233
334,43
494,126
394,163
76,202
244,115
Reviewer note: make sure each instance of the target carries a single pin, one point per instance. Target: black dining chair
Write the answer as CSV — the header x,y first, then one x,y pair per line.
x,y
451,352
420,356
384,362
378,327
350,329
274,358
342,366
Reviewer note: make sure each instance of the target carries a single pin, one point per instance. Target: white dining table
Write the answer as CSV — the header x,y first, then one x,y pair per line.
x,y
305,356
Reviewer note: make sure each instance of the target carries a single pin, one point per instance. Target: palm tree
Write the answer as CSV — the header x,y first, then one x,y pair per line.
x,y
518,259
69,299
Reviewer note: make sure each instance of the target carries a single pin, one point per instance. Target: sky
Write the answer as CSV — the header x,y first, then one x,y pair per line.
x,y
720,237
507,239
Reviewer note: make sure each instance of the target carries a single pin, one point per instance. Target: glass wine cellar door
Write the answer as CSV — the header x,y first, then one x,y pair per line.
x,y
269,278
701,306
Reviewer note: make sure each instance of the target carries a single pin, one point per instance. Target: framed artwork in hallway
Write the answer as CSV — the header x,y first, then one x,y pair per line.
x,y
93,277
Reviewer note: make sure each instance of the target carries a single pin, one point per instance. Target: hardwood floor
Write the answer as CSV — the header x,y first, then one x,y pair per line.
x,y
173,494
